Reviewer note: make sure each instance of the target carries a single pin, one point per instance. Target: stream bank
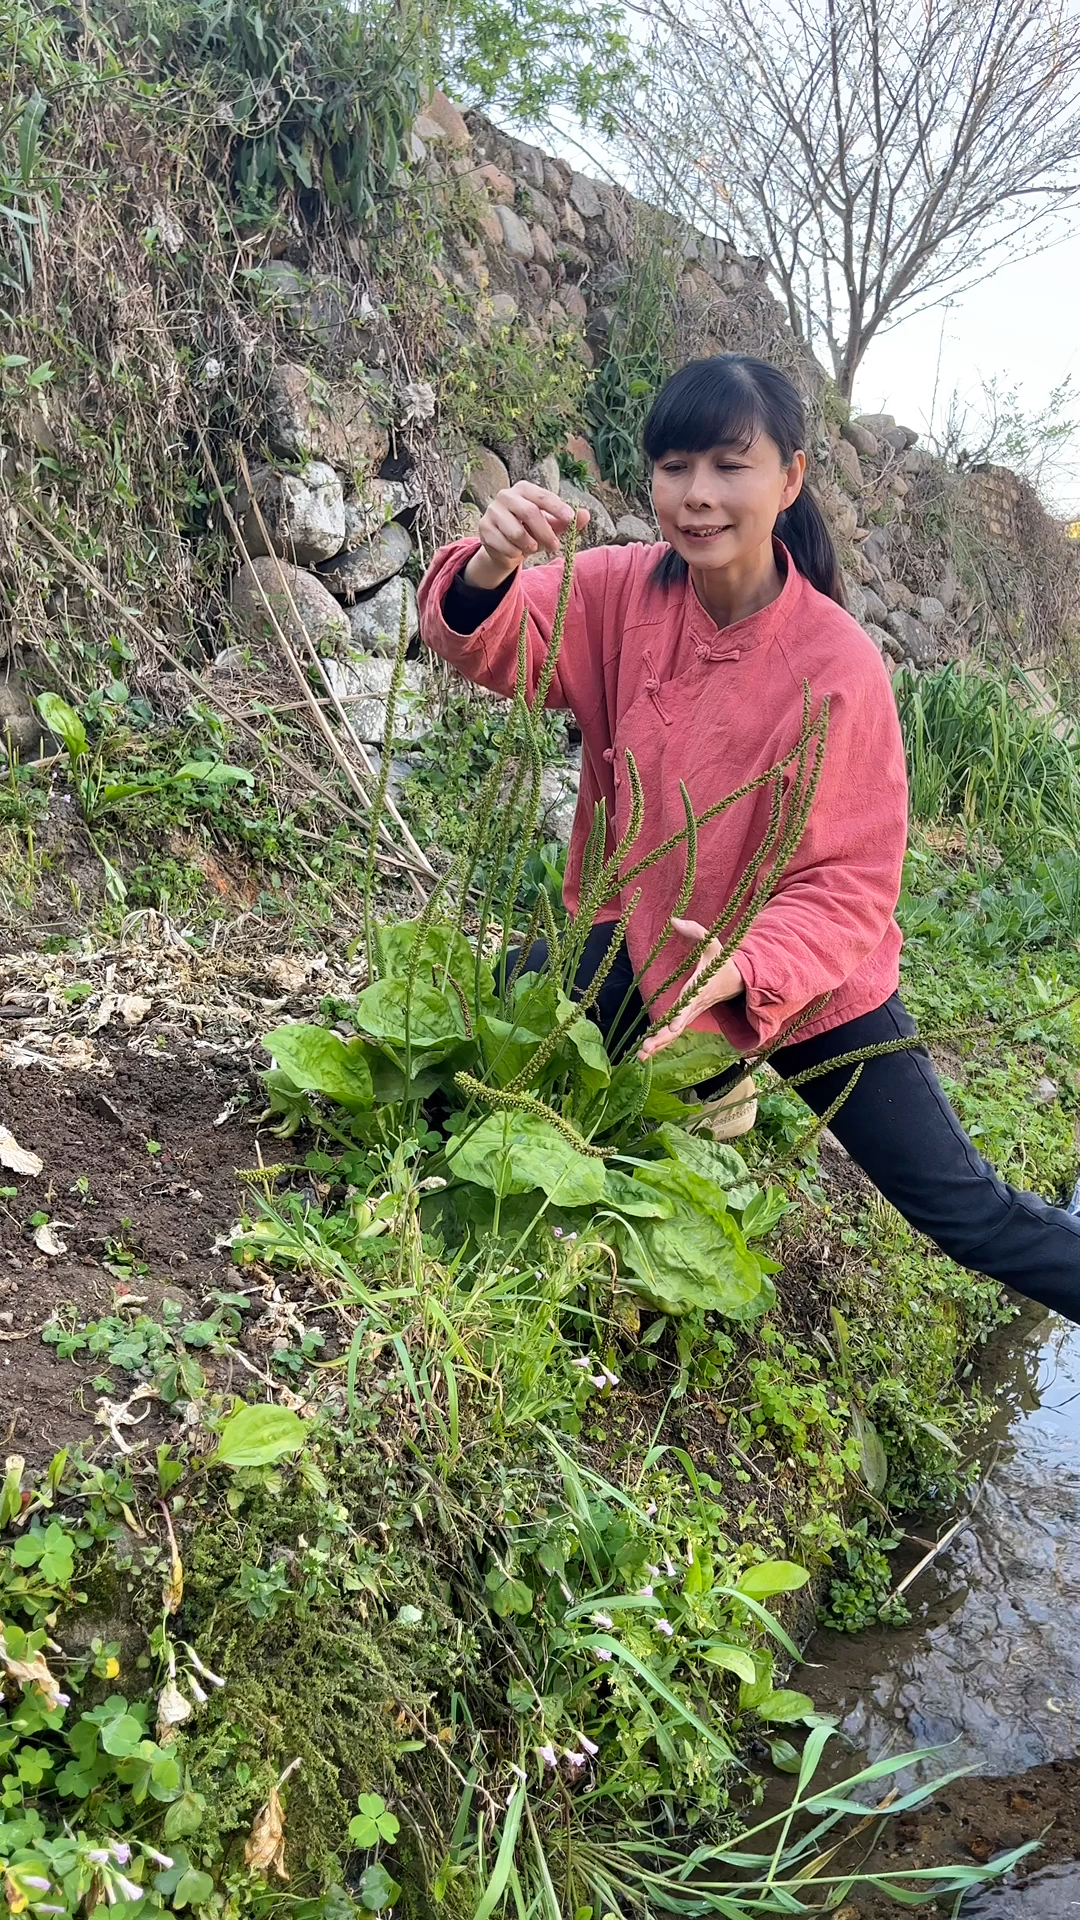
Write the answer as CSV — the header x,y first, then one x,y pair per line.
x,y
989,1665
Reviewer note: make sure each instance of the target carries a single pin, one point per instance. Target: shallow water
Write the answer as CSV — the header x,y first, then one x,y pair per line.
x,y
1053,1894
989,1666
990,1663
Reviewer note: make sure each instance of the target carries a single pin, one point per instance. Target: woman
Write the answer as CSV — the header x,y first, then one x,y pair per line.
x,y
694,655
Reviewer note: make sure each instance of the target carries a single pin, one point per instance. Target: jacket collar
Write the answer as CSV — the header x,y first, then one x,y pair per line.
x,y
744,636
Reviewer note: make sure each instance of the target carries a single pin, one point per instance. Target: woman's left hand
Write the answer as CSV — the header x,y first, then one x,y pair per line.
x,y
725,984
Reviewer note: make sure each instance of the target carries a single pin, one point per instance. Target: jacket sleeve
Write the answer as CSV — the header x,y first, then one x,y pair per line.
x,y
833,905
488,656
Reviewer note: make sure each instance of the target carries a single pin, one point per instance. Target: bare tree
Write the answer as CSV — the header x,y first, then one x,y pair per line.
x,y
879,155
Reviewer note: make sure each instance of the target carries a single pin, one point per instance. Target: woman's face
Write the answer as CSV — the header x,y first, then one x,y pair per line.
x,y
720,507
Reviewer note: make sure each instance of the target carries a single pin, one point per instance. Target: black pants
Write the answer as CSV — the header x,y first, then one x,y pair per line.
x,y
898,1126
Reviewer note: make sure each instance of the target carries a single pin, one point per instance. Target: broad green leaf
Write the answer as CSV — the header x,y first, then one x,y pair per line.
x,y
697,1257
873,1460
388,1083
184,1816
507,1595
585,1039
690,1059
254,1436
785,1757
319,1061
193,1889
785,1705
435,1022
64,722
445,951
516,1153
506,1045
713,1160
762,1213
735,1660
683,1264
629,1196
772,1576
122,1736
214,773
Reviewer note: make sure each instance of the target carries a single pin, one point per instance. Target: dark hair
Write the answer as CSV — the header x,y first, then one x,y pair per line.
x,y
727,401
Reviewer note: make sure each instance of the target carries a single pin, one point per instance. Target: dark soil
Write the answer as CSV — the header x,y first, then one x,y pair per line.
x,y
977,1818
155,1215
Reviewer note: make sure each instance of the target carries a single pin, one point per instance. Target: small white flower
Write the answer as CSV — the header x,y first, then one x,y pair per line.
x,y
654,1573
510,1797
36,1880
159,1859
580,1360
690,1556
199,1666
566,1593
557,1231
646,1592
62,1699
200,1693
99,1855
602,1620
611,1378
519,1771
602,1653
575,1760
42,1909
665,1627
650,1511
120,1851
598,1379
669,1566
588,1746
129,1888
549,1756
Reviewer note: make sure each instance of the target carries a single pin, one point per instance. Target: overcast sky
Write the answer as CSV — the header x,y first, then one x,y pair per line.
x,y
1020,326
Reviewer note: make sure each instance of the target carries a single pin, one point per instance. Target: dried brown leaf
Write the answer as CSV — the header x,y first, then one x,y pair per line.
x,y
17,1159
265,1848
34,1672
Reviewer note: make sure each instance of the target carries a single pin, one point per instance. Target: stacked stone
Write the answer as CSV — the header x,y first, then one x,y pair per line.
x,y
874,463
327,539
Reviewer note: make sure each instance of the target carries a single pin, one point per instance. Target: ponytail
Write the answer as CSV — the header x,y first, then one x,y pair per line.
x,y
802,529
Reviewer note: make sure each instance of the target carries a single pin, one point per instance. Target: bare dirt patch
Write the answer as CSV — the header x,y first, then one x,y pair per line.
x,y
139,1182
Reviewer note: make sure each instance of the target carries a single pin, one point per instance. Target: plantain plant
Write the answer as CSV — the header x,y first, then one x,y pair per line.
x,y
499,1082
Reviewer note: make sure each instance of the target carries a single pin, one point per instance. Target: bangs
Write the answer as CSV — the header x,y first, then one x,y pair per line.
x,y
710,403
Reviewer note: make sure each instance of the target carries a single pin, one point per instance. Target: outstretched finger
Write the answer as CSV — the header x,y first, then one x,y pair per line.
x,y
664,1035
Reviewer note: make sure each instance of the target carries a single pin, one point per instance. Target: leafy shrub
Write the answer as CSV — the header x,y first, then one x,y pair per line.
x,y
982,750
641,353
507,385
318,97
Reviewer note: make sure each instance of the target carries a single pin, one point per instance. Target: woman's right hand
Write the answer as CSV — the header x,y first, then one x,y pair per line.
x,y
520,520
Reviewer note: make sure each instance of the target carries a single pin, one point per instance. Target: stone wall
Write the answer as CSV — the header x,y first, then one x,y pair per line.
x,y
353,480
